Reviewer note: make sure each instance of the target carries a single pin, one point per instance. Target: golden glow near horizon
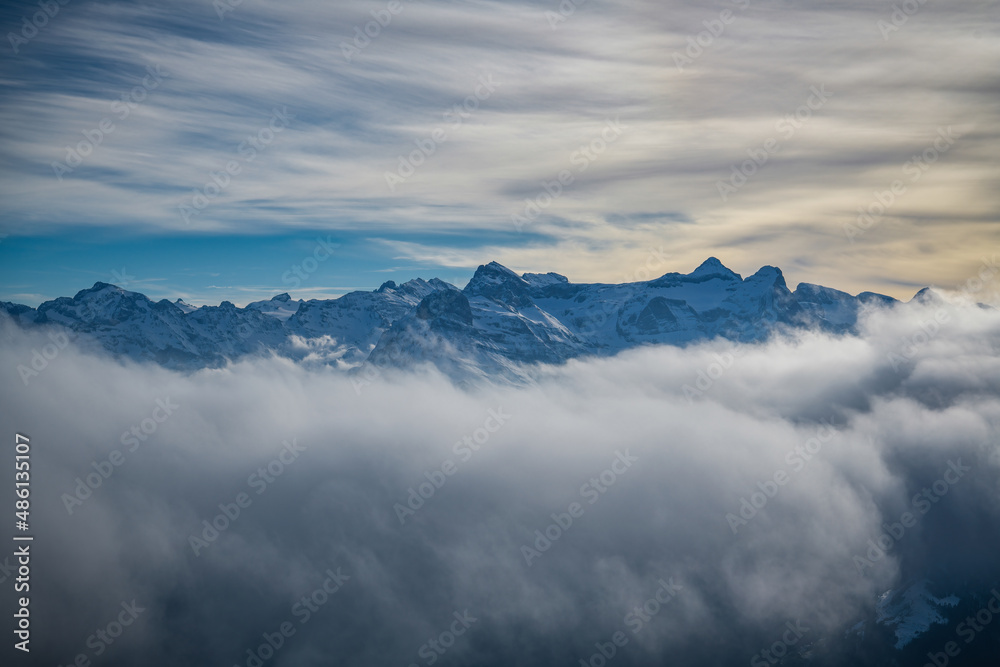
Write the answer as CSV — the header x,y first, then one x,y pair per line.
x,y
842,144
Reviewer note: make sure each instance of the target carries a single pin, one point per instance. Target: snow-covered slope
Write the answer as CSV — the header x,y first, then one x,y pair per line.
x,y
531,318
131,325
911,611
282,306
497,324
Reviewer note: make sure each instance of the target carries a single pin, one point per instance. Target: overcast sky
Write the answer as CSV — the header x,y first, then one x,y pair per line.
x,y
668,109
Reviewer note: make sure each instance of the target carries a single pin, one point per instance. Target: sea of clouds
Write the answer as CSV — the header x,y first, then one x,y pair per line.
x,y
664,505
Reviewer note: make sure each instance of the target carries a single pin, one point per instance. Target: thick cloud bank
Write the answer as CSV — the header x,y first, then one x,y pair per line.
x,y
691,505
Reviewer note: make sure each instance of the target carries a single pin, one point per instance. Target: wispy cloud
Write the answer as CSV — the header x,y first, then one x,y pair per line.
x,y
614,59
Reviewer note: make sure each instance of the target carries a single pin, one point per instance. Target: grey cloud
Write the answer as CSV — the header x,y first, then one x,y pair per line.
x,y
333,506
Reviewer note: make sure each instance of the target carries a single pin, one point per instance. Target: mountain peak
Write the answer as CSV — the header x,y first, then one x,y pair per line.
x,y
544,279
497,267
185,306
927,295
104,288
493,273
712,266
495,281
770,275
100,287
440,284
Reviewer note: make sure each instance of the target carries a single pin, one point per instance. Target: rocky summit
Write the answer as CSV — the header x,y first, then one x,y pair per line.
x,y
497,326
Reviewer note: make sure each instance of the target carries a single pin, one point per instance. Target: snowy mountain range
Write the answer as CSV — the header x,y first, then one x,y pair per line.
x,y
492,328
495,328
